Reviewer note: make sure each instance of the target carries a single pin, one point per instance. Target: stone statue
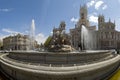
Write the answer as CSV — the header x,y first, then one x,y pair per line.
x,y
60,41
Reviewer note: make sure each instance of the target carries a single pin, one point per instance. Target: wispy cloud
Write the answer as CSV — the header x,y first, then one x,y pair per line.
x,y
74,20
40,38
5,9
10,31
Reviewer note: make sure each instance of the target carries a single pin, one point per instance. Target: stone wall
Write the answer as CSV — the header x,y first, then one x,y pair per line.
x,y
95,71
60,58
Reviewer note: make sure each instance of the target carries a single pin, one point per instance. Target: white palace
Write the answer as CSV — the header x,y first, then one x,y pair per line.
x,y
106,37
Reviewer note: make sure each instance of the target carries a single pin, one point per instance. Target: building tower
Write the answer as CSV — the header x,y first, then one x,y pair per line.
x,y
83,12
83,16
101,21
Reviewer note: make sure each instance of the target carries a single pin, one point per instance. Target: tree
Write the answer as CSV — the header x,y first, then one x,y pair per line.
x,y
47,42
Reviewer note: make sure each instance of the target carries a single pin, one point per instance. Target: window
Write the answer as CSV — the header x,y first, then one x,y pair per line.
x,y
82,15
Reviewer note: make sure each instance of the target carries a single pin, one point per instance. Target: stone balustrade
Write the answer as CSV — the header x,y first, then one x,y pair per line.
x,y
28,71
60,58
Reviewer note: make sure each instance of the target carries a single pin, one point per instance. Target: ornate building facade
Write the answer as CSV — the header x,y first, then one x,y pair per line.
x,y
106,37
76,32
17,42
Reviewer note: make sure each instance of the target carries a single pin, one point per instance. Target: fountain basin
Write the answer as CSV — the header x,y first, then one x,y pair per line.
x,y
19,69
60,57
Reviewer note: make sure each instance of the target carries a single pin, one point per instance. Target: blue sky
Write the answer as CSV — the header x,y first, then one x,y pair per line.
x,y
16,15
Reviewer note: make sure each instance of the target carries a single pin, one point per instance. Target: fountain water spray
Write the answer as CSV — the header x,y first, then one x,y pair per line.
x,y
87,39
32,35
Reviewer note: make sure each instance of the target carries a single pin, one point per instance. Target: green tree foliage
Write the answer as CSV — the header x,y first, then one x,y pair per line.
x,y
48,40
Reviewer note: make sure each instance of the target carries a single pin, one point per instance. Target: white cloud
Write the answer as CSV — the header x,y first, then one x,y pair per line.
x,y
91,3
10,31
3,36
5,10
40,38
93,19
104,7
74,20
98,4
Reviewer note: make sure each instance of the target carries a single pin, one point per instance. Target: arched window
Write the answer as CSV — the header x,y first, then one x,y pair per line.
x,y
82,15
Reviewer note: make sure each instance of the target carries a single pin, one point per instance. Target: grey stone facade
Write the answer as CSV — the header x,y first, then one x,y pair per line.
x,y
106,37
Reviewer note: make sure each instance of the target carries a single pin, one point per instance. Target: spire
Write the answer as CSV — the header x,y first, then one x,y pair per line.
x,y
83,12
101,15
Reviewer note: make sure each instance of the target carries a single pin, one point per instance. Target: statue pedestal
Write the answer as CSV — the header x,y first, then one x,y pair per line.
x,y
61,48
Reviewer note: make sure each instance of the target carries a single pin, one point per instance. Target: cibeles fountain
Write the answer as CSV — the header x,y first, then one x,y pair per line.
x,y
60,61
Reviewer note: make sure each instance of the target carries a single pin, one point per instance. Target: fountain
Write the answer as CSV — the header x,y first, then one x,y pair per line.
x,y
60,63
87,39
60,43
32,36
